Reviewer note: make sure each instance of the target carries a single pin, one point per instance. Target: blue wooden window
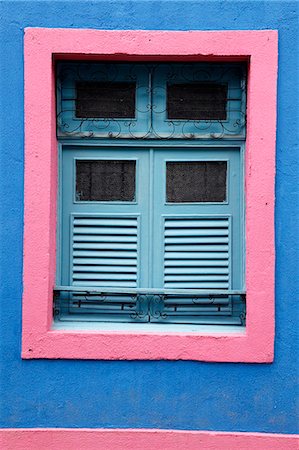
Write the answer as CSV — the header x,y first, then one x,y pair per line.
x,y
151,231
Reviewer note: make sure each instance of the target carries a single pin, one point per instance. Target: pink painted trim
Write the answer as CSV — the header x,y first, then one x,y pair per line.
x,y
41,46
141,439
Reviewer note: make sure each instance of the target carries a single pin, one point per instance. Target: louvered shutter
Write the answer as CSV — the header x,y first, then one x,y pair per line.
x,y
104,251
104,254
196,253
196,256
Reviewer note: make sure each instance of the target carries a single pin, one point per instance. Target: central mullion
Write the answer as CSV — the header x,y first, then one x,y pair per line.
x,y
151,206
150,87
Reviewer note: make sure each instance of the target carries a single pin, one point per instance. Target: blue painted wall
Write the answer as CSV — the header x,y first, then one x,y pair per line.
x,y
161,394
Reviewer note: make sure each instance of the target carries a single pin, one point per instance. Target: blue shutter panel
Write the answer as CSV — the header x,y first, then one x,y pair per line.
x,y
104,251
196,256
196,253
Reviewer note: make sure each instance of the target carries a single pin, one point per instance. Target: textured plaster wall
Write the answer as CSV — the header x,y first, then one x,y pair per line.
x,y
186,395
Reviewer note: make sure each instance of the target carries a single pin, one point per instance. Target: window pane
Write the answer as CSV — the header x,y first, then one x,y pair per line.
x,y
105,100
196,181
105,180
200,101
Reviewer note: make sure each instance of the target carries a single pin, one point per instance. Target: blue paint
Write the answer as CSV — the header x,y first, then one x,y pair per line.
x,y
160,394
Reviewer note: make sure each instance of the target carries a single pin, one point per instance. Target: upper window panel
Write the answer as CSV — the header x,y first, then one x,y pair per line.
x,y
151,101
197,101
105,100
196,181
102,100
105,181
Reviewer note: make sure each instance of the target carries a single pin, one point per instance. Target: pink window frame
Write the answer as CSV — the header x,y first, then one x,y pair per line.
x,y
42,46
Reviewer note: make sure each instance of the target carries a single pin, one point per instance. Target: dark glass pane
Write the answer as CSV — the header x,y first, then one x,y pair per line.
x,y
105,180
196,181
196,101
105,100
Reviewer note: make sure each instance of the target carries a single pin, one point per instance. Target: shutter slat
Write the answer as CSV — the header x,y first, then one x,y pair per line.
x,y
104,238
102,246
181,232
195,277
196,248
195,255
113,222
214,223
195,285
93,230
196,270
113,283
94,254
105,262
104,276
196,240
113,269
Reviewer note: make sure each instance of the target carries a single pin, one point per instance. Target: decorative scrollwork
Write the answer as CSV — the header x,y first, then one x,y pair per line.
x,y
157,307
141,307
243,312
150,307
151,117
242,317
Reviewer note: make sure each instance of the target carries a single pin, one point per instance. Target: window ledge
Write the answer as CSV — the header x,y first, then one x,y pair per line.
x,y
146,328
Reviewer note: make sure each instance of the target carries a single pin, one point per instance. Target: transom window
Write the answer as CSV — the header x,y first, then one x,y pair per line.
x,y
151,193
151,101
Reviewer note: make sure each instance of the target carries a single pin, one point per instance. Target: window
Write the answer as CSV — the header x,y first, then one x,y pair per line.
x,y
150,128
151,227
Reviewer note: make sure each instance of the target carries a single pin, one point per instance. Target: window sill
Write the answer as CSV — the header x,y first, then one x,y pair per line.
x,y
205,344
145,328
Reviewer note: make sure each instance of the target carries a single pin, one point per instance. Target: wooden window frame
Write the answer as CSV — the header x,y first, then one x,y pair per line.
x,y
42,47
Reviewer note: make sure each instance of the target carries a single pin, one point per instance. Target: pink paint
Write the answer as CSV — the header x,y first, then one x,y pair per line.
x,y
41,46
140,439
